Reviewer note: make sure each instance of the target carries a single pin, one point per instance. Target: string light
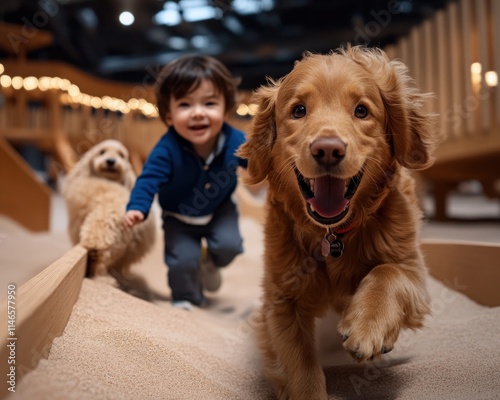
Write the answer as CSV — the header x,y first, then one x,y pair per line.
x,y
72,95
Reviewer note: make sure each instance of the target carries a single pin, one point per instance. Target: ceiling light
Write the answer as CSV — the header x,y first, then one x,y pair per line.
x,y
247,7
194,14
169,17
199,41
126,18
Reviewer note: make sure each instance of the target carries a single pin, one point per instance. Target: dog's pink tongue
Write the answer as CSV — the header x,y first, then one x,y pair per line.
x,y
328,200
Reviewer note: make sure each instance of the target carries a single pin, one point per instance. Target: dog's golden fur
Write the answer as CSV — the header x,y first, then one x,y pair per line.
x,y
357,99
96,191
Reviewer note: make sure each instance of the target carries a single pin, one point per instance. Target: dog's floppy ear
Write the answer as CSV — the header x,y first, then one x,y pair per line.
x,y
83,167
408,125
260,139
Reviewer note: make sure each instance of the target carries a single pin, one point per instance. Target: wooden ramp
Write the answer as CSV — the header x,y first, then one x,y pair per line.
x,y
34,314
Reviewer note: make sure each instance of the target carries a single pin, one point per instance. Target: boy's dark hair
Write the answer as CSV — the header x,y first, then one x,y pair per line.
x,y
186,73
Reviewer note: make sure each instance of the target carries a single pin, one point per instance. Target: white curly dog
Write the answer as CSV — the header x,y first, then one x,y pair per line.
x,y
96,191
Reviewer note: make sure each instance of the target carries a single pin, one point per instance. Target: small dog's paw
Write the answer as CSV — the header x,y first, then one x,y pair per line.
x,y
367,338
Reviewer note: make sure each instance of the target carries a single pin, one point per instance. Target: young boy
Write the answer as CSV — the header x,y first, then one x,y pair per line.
x,y
193,170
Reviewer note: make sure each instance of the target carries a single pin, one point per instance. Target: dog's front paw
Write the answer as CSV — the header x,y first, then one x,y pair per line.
x,y
366,336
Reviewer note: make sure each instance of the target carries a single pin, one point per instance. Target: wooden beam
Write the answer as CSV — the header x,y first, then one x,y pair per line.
x,y
24,198
41,309
469,147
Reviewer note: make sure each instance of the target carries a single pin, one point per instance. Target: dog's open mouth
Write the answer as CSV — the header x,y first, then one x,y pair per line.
x,y
110,172
328,197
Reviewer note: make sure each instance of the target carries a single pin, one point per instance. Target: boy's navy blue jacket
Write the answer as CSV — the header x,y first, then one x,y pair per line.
x,y
184,183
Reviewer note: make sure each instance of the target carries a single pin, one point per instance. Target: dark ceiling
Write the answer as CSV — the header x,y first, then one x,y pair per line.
x,y
254,38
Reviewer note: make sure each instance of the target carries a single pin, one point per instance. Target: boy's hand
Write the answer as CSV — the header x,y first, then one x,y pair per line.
x,y
132,217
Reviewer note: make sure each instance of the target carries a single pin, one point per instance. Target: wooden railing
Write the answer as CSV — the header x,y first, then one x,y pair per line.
x,y
455,54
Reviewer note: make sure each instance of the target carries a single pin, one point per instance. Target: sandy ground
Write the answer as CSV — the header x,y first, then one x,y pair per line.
x,y
118,346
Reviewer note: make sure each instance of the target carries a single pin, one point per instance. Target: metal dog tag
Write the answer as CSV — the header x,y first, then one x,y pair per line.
x,y
330,245
336,248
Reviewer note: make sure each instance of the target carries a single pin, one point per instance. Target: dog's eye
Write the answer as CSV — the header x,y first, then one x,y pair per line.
x,y
361,111
299,111
121,154
102,152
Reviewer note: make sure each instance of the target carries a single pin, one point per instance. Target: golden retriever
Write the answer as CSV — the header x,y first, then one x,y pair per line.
x,y
335,139
96,191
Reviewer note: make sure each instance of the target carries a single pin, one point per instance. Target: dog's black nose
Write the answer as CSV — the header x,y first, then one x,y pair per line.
x,y
110,162
328,151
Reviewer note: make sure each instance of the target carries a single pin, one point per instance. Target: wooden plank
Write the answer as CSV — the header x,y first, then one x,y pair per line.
x,y
418,60
42,307
455,119
495,18
405,53
431,63
469,267
485,98
24,198
469,147
465,168
469,105
25,134
444,82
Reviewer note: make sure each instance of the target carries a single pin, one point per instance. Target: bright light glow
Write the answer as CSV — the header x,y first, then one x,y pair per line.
x,y
242,110
491,78
5,81
30,83
247,7
96,102
2,69
133,104
64,84
475,68
73,90
169,16
126,18
193,14
17,82
44,83
70,94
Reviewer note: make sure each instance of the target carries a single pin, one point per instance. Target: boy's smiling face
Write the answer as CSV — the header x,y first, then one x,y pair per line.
x,y
198,116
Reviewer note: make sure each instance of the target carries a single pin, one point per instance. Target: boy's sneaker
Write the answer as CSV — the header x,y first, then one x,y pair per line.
x,y
183,305
210,275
